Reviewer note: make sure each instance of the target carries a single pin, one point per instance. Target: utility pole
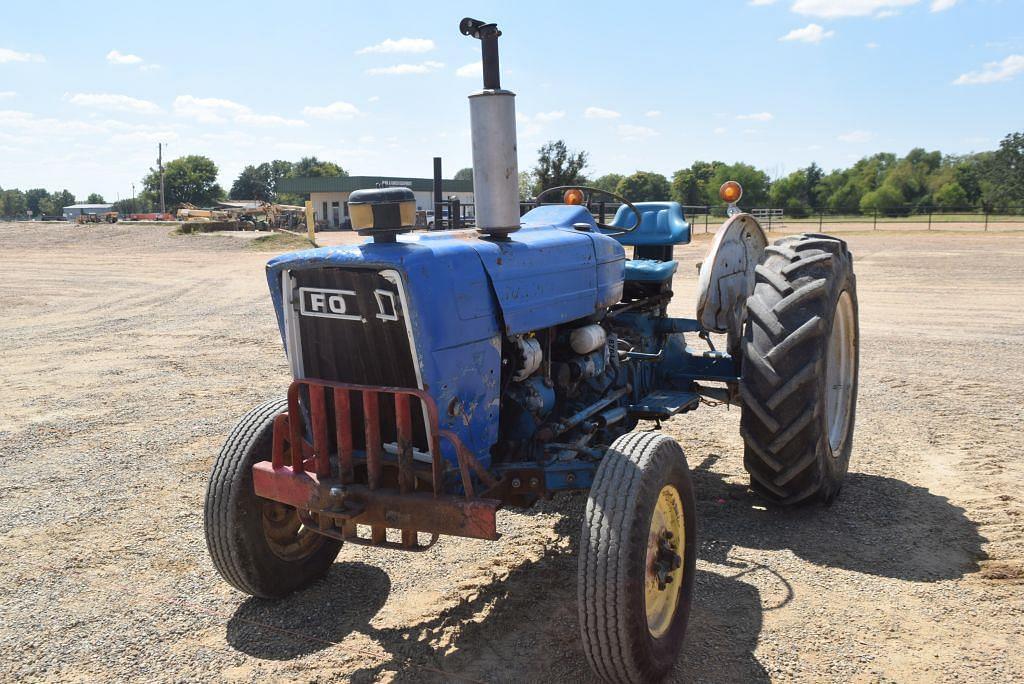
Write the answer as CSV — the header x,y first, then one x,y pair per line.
x,y
133,198
160,165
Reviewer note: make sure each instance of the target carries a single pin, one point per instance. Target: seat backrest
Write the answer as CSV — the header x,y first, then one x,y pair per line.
x,y
662,223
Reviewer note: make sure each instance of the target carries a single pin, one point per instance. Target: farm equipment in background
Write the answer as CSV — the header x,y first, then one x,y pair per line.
x,y
242,216
104,217
438,377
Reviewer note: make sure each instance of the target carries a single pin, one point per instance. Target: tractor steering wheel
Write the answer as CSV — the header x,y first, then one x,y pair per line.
x,y
584,198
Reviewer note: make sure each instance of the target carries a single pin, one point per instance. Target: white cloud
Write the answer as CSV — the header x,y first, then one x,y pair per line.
x,y
759,116
886,14
871,46
4,94
470,70
391,45
402,69
600,113
111,102
761,3
829,9
335,110
631,133
721,130
144,136
855,137
532,126
253,119
993,72
118,57
8,55
549,116
653,114
373,98
942,5
149,67
218,110
812,33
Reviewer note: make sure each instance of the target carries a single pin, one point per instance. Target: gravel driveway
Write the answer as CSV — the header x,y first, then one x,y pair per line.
x,y
127,354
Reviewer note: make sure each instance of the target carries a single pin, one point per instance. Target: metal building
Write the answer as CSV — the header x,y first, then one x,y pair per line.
x,y
72,212
329,194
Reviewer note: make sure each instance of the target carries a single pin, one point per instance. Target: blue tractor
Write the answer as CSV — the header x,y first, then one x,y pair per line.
x,y
438,377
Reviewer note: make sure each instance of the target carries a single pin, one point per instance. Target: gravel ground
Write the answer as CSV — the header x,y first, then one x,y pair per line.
x,y
127,354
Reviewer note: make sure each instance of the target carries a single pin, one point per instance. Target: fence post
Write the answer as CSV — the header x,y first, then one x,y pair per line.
x,y
876,220
707,212
929,218
986,219
821,218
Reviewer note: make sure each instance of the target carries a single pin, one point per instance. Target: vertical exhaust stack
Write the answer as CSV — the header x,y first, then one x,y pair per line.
x,y
492,115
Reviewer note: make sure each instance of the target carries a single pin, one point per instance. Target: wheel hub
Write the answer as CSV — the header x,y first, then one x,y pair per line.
x,y
840,373
284,532
666,543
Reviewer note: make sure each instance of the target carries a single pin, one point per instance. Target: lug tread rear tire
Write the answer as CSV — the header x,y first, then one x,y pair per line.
x,y
784,354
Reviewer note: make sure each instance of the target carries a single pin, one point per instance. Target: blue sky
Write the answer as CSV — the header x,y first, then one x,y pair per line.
x,y
88,89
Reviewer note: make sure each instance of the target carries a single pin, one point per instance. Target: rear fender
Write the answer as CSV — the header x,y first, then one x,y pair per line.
x,y
727,274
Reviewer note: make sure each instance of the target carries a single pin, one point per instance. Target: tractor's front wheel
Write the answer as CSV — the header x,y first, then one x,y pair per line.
x,y
800,363
259,546
637,561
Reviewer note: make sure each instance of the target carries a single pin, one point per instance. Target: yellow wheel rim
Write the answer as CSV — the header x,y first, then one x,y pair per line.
x,y
666,549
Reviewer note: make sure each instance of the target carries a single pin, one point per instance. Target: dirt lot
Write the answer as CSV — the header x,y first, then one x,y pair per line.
x,y
127,354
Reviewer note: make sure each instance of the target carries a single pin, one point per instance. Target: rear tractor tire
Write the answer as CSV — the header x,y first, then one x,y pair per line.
x,y
799,370
259,546
637,561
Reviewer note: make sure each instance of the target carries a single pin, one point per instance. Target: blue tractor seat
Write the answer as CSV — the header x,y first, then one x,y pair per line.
x,y
662,226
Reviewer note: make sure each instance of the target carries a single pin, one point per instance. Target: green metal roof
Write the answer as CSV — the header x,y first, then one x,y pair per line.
x,y
350,183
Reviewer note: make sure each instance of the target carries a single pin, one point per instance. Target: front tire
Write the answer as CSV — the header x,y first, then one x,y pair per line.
x,y
800,367
259,546
638,556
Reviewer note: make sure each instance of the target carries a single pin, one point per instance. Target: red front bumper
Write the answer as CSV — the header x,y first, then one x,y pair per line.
x,y
334,504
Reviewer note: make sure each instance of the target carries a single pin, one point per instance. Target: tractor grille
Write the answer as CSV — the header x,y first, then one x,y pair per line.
x,y
352,329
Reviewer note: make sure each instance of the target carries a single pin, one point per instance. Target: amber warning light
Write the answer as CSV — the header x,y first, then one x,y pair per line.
x,y
730,192
573,196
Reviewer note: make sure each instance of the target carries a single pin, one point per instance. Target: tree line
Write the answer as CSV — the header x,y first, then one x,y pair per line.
x,y
187,180
883,183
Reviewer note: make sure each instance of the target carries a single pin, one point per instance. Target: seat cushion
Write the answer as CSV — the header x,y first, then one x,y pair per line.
x,y
649,270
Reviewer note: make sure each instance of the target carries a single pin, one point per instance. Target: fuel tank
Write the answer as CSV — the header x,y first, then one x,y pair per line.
x,y
429,310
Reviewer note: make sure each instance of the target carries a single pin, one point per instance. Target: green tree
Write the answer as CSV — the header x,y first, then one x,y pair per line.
x,y
254,182
35,197
13,203
886,200
1005,172
690,186
311,167
54,204
754,181
644,186
191,179
951,196
525,186
95,198
558,165
607,182
464,174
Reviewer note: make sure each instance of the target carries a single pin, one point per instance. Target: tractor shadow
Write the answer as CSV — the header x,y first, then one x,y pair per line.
x,y
520,627
317,618
877,526
524,626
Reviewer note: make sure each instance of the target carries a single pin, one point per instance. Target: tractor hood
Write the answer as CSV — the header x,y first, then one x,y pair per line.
x,y
458,294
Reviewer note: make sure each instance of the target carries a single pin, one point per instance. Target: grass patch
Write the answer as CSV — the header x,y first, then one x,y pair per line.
x,y
280,241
